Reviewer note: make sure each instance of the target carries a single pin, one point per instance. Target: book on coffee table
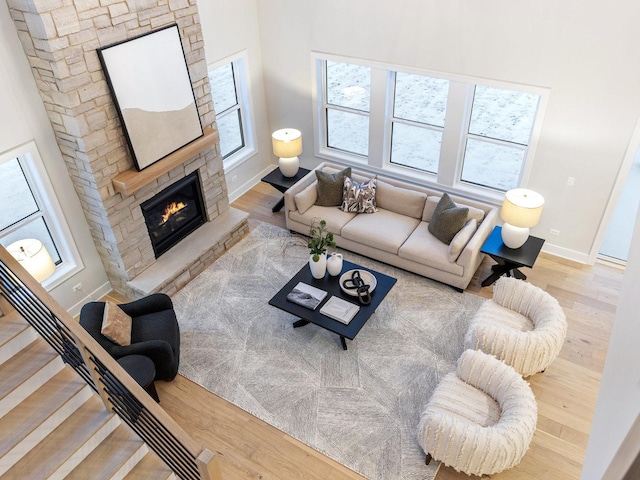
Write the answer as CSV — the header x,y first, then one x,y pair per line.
x,y
306,295
339,309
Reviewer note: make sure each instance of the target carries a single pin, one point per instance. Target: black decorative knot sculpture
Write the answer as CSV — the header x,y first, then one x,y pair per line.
x,y
357,283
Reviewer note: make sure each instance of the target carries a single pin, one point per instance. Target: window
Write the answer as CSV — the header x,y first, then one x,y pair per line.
x,y
498,136
230,93
419,111
31,210
347,107
471,136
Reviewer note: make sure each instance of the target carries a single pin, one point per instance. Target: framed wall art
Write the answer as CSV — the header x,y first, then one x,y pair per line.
x,y
151,88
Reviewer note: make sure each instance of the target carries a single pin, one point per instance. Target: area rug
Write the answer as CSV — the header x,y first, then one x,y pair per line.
x,y
360,407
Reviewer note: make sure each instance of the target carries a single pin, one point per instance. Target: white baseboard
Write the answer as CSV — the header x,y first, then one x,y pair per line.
x,y
566,253
96,295
249,184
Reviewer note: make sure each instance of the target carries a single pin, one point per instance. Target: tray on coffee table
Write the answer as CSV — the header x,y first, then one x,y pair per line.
x,y
331,285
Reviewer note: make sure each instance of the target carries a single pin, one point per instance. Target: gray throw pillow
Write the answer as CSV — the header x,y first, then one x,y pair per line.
x,y
330,187
447,219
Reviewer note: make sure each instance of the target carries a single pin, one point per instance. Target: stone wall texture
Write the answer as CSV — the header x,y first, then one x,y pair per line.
x,y
60,38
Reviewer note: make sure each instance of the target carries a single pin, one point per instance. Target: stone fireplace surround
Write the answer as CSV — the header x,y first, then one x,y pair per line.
x,y
60,38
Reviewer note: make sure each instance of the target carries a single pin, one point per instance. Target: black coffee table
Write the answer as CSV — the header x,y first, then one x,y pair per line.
x,y
282,183
332,286
509,259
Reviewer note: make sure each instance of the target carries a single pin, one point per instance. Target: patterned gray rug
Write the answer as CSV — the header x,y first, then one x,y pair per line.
x,y
361,407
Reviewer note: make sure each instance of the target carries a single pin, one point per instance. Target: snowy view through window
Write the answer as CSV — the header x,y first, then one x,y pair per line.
x,y
496,134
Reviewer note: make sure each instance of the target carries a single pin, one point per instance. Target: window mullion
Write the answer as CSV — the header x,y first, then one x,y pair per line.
x,y
454,136
497,141
377,113
22,222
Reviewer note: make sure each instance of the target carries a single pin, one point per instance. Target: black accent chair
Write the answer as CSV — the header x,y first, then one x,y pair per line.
x,y
154,332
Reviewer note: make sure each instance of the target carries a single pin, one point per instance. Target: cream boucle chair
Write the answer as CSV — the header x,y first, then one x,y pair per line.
x,y
522,325
480,419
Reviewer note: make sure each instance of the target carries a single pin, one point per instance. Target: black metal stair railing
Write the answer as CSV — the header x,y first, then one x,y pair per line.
x,y
132,410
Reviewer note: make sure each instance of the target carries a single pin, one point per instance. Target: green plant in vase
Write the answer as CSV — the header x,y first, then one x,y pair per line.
x,y
321,239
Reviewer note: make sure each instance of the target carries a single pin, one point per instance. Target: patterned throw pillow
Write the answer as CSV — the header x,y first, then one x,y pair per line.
x,y
447,219
359,197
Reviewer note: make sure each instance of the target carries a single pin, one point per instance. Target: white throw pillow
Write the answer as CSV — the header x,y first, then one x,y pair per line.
x,y
461,239
306,198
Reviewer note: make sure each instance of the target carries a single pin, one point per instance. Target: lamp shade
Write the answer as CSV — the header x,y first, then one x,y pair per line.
x,y
287,142
522,208
34,258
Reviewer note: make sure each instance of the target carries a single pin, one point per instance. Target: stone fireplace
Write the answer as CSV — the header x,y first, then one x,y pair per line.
x,y
60,38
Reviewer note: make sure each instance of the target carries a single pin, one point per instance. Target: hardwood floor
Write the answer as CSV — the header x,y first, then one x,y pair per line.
x,y
566,392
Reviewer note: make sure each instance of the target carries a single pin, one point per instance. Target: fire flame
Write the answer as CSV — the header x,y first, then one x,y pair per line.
x,y
170,209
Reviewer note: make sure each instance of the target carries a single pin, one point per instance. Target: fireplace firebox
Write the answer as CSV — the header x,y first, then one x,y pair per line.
x,y
174,213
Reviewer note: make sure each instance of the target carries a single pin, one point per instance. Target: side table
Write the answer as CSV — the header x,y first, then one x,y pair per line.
x,y
282,183
509,259
142,370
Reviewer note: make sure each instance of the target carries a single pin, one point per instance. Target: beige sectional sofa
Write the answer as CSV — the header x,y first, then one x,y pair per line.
x,y
398,232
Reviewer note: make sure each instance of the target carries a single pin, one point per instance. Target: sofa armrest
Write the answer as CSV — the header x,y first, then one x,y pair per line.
x,y
300,185
471,253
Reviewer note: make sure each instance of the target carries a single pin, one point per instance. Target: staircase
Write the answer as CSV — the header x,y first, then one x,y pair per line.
x,y
53,425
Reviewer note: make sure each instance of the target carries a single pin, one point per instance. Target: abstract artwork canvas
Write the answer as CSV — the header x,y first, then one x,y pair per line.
x,y
151,88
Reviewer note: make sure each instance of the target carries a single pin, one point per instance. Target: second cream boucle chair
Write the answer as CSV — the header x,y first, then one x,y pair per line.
x,y
481,418
522,325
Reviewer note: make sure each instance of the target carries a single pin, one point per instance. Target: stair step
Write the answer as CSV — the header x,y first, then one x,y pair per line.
x,y
15,334
40,413
64,448
25,372
114,458
151,467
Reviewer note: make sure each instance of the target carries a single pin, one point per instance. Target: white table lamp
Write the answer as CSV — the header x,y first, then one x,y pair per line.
x,y
34,258
521,209
287,144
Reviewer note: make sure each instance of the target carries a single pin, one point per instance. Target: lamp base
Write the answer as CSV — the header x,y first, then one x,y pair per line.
x,y
289,166
514,237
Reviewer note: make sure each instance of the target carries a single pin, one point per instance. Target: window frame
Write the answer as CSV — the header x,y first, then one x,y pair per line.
x,y
49,208
242,83
458,117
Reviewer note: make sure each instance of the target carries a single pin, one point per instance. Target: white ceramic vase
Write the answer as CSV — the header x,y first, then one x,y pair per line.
x,y
334,264
319,268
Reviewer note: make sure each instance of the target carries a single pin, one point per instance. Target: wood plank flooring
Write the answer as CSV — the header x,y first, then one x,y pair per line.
x,y
566,392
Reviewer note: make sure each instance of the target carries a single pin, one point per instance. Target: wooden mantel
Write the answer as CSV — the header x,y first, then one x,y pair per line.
x,y
131,180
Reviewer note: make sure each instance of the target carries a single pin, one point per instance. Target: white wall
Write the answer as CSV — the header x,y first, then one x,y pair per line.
x,y
23,118
228,27
580,50
618,404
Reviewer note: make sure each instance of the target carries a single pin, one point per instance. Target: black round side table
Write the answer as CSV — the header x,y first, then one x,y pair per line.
x,y
142,370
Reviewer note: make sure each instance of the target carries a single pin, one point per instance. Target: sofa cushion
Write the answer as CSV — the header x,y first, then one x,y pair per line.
x,y
400,200
461,239
359,197
116,325
307,197
330,187
432,202
422,247
447,219
383,230
334,217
